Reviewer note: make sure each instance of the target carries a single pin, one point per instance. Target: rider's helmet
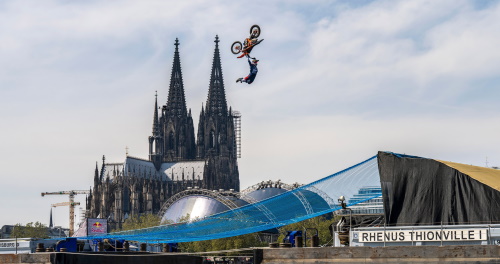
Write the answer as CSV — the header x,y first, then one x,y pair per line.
x,y
254,61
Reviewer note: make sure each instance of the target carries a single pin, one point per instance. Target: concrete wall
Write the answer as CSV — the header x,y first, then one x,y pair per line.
x,y
125,258
42,258
115,258
402,254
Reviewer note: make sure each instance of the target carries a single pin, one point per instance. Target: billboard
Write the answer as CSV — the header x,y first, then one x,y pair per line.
x,y
23,245
11,246
96,226
422,235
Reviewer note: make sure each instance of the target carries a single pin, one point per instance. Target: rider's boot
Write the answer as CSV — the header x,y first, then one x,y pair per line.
x,y
239,80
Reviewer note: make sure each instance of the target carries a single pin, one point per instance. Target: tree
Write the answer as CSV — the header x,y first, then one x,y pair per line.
x,y
138,222
322,223
36,230
243,241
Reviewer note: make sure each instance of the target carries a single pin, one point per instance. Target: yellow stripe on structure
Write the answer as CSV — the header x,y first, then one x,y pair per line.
x,y
490,177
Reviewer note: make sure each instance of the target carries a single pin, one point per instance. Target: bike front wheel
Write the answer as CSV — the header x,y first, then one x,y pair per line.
x,y
255,31
236,47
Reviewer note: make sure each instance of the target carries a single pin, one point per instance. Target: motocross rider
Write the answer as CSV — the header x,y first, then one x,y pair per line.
x,y
253,72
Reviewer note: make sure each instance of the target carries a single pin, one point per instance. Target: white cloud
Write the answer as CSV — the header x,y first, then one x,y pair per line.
x,y
395,50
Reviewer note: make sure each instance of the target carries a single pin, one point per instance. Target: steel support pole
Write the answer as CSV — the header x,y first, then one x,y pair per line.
x,y
71,214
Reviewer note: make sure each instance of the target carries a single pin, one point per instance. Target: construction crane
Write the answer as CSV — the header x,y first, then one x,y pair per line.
x,y
71,205
65,204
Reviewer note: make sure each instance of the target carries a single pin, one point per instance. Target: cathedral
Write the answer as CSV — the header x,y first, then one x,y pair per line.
x,y
177,159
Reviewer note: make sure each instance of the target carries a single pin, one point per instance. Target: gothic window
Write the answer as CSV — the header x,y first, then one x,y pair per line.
x,y
211,140
141,203
171,140
126,200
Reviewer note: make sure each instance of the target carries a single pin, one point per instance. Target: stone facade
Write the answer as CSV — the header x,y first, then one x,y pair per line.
x,y
176,160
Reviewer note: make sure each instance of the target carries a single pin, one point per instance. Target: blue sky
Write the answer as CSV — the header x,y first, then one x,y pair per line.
x,y
338,81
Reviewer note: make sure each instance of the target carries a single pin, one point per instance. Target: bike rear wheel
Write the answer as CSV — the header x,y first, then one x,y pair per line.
x,y
255,31
236,47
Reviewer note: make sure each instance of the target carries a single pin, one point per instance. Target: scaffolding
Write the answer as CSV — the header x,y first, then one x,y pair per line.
x,y
237,131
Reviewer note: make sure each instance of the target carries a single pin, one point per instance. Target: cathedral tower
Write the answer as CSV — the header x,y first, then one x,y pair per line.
x,y
173,133
216,134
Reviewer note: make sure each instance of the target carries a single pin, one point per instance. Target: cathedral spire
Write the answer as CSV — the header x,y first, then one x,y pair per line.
x,y
155,139
102,168
51,225
96,175
216,101
155,118
175,140
176,104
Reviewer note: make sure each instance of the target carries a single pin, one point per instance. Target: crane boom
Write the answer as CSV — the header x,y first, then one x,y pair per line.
x,y
71,205
66,192
65,204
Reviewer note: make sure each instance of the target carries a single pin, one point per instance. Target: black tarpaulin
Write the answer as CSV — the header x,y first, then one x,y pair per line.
x,y
420,191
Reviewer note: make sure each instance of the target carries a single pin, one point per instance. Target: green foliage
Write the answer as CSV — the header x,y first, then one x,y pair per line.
x,y
185,218
243,241
137,222
37,230
321,223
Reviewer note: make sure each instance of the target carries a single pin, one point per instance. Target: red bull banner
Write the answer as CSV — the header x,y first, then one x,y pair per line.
x,y
97,226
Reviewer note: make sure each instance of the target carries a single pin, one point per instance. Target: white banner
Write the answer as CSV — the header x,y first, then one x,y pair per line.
x,y
9,247
12,244
422,235
82,230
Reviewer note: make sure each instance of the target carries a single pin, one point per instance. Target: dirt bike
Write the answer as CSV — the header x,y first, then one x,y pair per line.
x,y
248,44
